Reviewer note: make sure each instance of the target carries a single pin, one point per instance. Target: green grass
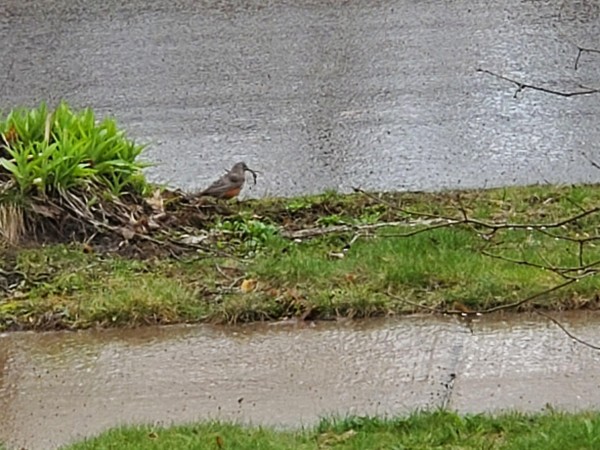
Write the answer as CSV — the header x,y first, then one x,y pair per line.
x,y
79,290
64,286
434,430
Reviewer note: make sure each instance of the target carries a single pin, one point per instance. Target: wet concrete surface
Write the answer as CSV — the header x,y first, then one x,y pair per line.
x,y
58,387
322,94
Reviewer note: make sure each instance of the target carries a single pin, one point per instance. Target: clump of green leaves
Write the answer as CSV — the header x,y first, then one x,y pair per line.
x,y
250,231
52,151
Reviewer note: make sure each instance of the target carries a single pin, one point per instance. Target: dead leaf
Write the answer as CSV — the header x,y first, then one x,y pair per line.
x,y
462,308
248,285
272,292
44,210
156,202
11,136
294,294
152,224
350,277
127,233
193,240
159,216
331,438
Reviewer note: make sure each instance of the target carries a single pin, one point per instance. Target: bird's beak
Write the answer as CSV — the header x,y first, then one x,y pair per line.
x,y
253,172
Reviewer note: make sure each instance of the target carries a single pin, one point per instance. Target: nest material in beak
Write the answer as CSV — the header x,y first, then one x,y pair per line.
x,y
253,174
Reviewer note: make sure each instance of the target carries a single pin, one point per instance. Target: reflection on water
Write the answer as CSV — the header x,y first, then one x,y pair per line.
x,y
57,387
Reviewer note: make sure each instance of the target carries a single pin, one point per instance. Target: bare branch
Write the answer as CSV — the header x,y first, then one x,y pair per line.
x,y
569,274
574,203
591,161
480,223
313,232
567,332
400,209
564,237
524,262
420,230
485,311
522,86
580,51
528,299
414,304
584,269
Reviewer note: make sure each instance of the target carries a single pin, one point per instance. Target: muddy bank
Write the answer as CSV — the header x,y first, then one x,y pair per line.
x,y
57,387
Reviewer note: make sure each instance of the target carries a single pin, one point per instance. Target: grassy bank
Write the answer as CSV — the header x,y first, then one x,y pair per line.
x,y
439,430
86,241
252,264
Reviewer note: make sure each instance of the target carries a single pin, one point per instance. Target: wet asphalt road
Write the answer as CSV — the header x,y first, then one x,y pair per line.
x,y
322,94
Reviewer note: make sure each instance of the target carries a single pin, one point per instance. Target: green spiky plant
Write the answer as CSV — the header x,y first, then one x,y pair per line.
x,y
45,154
55,151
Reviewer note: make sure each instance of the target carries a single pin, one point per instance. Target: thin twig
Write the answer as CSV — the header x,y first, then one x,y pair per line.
x,y
421,230
528,299
221,272
314,232
575,204
522,86
567,332
457,312
564,237
581,50
398,208
562,271
591,161
416,305
480,223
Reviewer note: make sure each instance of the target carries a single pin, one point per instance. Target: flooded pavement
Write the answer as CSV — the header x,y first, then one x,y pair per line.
x,y
57,387
318,94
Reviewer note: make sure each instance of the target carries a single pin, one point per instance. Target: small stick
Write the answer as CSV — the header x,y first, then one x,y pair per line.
x,y
567,332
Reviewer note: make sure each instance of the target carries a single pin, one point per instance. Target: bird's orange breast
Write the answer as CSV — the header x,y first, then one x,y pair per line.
x,y
233,192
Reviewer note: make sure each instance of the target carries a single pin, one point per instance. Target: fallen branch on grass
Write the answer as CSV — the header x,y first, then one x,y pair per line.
x,y
462,312
528,299
321,231
580,271
432,309
465,220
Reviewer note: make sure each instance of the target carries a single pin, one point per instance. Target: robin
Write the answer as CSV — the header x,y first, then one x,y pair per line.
x,y
229,185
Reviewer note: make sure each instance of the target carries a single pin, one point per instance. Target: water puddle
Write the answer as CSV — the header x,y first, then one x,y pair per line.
x,y
58,387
